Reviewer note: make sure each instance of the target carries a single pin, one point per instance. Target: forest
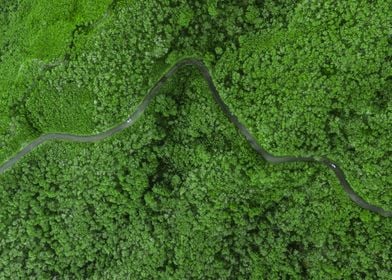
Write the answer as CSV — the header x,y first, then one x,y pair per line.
x,y
180,194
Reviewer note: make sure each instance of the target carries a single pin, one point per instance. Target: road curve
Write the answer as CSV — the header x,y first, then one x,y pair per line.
x,y
223,106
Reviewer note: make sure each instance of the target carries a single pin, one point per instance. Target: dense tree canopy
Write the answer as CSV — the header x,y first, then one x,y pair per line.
x,y
180,195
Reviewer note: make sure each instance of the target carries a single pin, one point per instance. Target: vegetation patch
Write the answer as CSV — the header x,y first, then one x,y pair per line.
x,y
180,195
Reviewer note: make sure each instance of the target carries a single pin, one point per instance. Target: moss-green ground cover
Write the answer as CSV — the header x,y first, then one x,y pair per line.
x,y
180,195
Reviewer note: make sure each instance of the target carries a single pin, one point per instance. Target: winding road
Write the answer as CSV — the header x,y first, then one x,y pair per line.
x,y
223,106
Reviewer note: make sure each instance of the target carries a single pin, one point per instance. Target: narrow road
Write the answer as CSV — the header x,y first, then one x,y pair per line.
x,y
241,128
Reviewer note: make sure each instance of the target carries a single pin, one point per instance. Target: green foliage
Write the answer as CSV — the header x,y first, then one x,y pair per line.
x,y
185,17
180,195
35,36
337,72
